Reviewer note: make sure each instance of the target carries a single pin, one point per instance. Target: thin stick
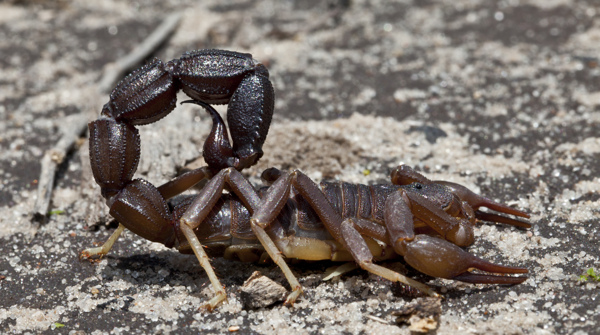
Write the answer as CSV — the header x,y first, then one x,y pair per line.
x,y
114,71
72,129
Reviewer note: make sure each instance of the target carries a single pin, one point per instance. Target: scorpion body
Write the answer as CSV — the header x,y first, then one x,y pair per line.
x,y
425,222
298,231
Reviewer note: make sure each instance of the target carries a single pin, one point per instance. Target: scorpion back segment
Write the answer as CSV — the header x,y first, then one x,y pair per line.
x,y
337,221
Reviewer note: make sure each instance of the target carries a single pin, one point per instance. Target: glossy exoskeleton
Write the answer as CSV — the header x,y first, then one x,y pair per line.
x,y
426,222
150,93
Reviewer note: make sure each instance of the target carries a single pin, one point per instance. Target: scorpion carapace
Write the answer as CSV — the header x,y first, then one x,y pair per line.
x,y
426,222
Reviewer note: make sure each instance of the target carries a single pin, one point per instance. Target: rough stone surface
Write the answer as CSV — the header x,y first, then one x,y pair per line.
x,y
500,96
260,291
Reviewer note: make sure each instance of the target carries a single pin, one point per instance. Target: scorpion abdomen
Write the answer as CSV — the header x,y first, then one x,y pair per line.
x,y
357,200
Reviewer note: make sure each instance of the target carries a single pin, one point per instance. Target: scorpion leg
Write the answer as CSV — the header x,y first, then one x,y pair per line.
x,y
205,202
345,232
105,248
220,294
435,256
183,182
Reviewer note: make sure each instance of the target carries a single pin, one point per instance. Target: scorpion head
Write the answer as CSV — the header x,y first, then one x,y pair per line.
x,y
440,195
456,200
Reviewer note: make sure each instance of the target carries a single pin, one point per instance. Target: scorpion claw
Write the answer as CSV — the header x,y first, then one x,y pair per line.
x,y
475,278
475,201
485,216
440,258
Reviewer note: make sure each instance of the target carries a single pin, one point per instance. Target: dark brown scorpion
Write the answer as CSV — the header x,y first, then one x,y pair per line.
x,y
427,222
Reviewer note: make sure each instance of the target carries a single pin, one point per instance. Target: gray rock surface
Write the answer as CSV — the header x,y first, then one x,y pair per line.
x,y
499,96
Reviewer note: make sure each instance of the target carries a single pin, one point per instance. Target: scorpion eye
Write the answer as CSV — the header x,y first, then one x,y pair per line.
x,y
418,186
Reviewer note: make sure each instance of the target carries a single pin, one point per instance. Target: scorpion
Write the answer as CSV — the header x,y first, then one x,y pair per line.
x,y
426,222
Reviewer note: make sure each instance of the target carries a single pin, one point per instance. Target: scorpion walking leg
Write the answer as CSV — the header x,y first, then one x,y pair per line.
x,y
220,294
344,232
105,248
182,183
275,255
265,213
357,246
205,202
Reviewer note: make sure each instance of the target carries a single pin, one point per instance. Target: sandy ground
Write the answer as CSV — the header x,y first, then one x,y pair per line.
x,y
501,97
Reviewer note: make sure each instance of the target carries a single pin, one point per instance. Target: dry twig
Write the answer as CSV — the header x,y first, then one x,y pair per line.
x,y
71,129
114,71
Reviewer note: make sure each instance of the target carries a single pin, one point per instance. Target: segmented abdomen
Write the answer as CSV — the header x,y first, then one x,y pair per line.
x,y
358,201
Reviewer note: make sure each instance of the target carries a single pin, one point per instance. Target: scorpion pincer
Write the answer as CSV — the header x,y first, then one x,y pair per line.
x,y
426,222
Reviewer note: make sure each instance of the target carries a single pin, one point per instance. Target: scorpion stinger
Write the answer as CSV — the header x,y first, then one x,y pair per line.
x,y
217,150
